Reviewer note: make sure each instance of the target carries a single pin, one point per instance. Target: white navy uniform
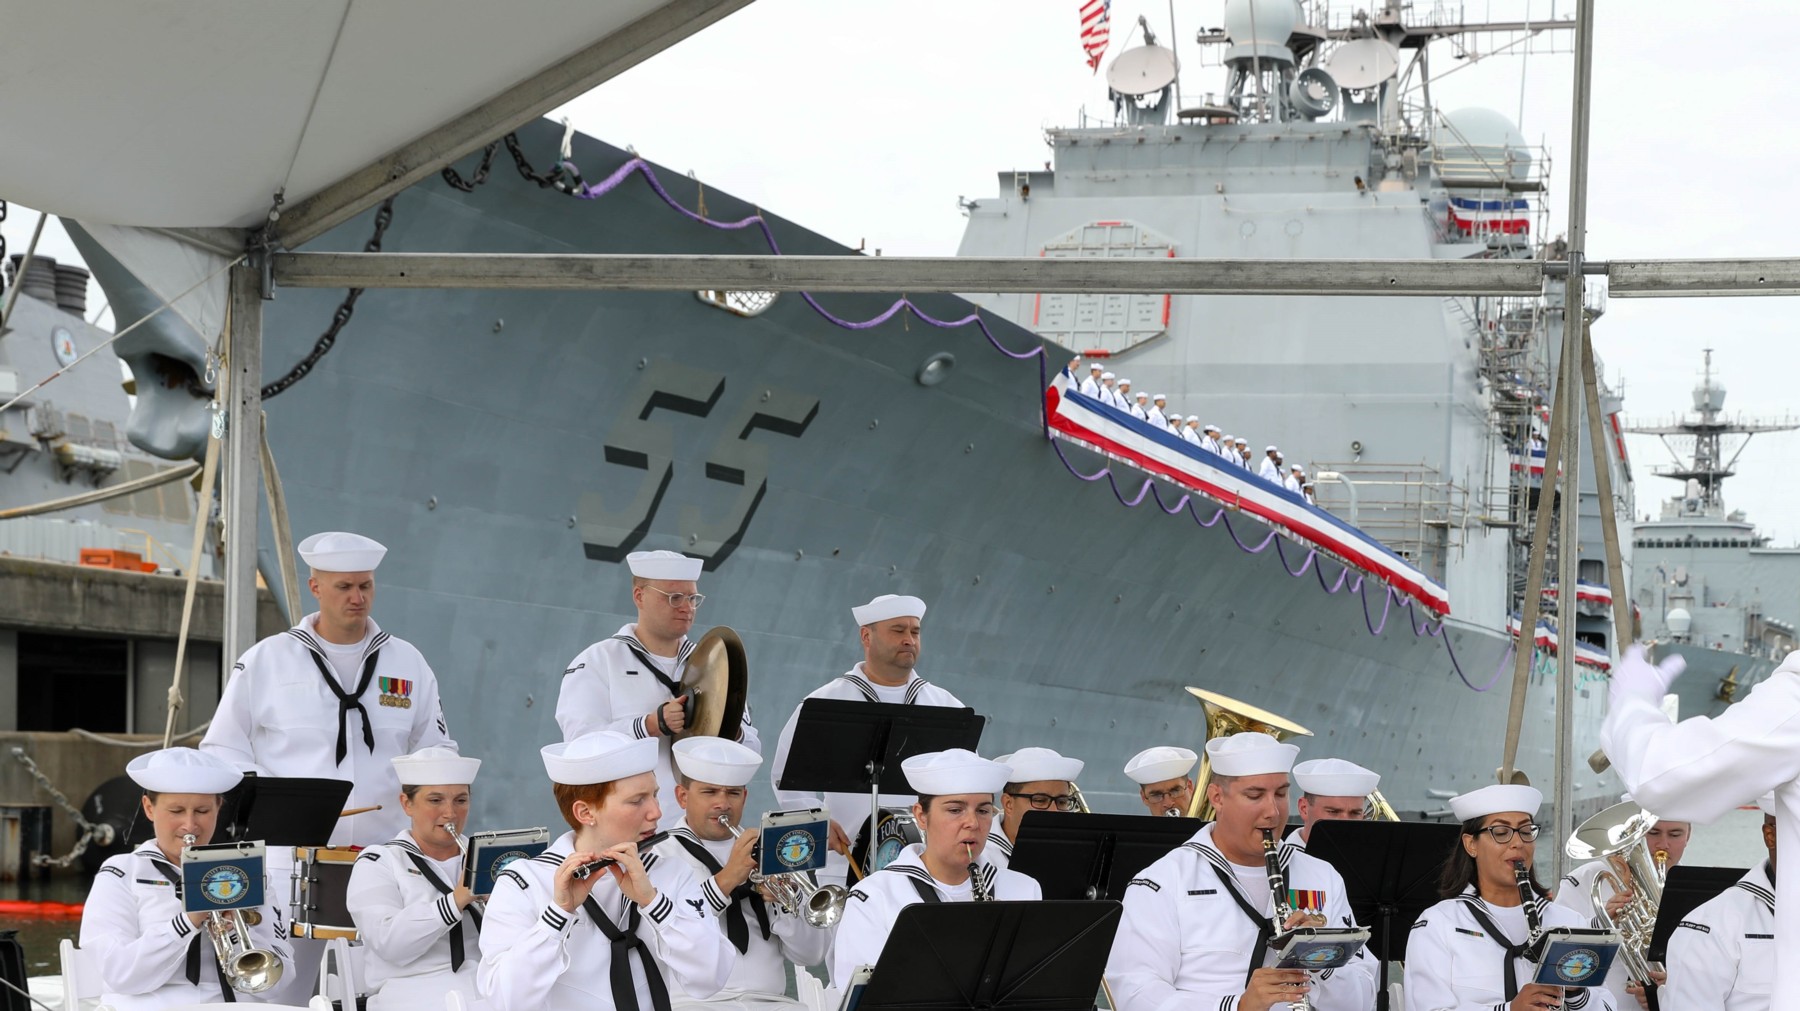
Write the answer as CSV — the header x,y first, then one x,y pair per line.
x,y
539,958
1185,941
999,849
1296,841
410,927
1269,471
141,945
1156,417
293,709
760,977
614,684
1454,961
1700,768
1722,955
875,903
1574,892
1091,386
850,810
1137,411
1291,483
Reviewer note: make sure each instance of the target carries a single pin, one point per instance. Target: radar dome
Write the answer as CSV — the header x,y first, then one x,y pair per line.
x,y
1481,147
1260,28
1679,622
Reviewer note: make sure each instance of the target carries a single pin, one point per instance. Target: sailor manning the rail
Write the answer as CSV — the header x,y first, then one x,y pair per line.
x,y
954,809
1331,789
147,952
1042,781
1197,922
334,697
1667,841
1722,954
1164,778
1468,951
1270,469
889,627
1700,768
624,936
713,775
1091,385
420,926
630,683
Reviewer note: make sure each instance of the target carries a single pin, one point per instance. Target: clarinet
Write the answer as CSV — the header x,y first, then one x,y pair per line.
x,y
980,892
1283,910
1528,897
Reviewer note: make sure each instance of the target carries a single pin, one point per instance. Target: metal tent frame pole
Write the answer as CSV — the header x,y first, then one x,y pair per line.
x,y
243,456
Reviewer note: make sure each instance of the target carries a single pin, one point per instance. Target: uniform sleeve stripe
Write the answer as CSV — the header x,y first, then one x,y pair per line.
x,y
182,927
1575,1000
554,918
447,909
661,908
638,728
710,888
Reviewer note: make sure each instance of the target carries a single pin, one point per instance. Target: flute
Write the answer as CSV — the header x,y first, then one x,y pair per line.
x,y
583,872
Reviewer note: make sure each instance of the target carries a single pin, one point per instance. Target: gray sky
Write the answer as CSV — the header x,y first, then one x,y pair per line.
x,y
865,121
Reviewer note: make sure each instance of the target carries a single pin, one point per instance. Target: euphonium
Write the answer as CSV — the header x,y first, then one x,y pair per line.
x,y
797,894
247,969
1380,809
1226,716
1081,803
1617,836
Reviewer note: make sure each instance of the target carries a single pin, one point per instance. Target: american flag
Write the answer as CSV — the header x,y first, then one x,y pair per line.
x,y
1096,29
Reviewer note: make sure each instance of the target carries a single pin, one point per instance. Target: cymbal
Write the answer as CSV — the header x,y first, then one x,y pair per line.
x,y
718,675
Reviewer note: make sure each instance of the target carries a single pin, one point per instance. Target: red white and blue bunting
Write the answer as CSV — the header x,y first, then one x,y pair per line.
x,y
1585,655
1077,418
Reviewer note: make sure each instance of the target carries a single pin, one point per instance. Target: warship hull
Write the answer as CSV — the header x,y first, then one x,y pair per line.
x,y
510,447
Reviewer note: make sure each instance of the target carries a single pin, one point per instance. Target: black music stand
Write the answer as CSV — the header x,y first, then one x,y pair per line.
x,y
842,746
1683,891
995,956
1093,856
1390,871
280,811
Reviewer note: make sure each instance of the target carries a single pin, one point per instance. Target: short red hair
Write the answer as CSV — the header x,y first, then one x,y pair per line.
x,y
594,794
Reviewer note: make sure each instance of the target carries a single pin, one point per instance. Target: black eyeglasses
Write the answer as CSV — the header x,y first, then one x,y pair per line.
x,y
1503,834
1174,793
681,600
1045,801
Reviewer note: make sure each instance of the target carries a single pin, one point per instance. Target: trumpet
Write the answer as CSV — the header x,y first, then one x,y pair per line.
x,y
246,969
797,894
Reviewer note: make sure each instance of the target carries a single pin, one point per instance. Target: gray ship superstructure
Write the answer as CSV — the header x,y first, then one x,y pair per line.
x,y
511,447
1708,585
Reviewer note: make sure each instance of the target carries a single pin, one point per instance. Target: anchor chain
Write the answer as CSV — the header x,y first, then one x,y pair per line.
x,y
90,832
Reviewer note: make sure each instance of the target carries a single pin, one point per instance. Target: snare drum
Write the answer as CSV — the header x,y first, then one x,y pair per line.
x,y
320,894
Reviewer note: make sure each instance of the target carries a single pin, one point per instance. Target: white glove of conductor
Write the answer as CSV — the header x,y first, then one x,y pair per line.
x,y
1638,678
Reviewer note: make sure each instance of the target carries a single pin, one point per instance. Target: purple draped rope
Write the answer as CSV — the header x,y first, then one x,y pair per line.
x,y
1430,628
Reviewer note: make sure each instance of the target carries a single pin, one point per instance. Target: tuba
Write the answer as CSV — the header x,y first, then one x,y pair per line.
x,y
1226,716
1616,835
246,969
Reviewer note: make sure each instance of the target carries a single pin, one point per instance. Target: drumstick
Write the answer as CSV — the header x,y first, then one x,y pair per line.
x,y
360,810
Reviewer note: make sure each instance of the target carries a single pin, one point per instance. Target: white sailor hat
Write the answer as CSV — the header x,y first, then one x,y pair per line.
x,y
1496,799
1096,365
1270,449
1244,442
1334,777
1141,395
337,551
664,565
1250,754
1030,765
1124,382
1298,468
1154,765
1106,375
1176,418
1210,428
945,773
599,757
886,606
1160,396
1193,419
1767,803
182,770
435,766
717,761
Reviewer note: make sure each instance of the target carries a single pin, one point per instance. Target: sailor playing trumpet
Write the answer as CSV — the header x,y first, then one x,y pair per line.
x,y
955,810
1198,921
1165,780
1042,780
148,953
625,939
713,774
419,924
1469,951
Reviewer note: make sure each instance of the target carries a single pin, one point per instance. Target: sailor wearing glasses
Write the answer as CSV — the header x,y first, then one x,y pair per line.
x,y
1042,780
1468,951
1331,789
630,683
1165,779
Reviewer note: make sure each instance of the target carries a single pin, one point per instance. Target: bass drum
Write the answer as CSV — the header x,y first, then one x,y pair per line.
x,y
893,831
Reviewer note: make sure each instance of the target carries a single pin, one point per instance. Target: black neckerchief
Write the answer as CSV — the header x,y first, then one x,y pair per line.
x,y
1265,926
456,932
1514,952
226,993
681,654
624,942
349,700
737,928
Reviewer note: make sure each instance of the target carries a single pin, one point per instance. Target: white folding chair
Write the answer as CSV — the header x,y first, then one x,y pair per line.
x,y
80,980
341,973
